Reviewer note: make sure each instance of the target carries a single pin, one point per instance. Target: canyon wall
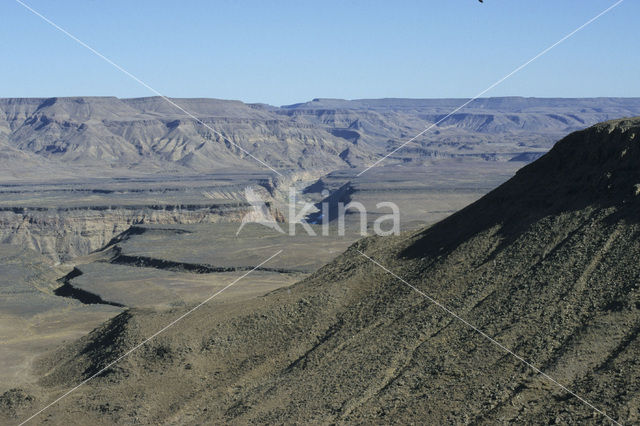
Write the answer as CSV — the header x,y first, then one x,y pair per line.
x,y
62,234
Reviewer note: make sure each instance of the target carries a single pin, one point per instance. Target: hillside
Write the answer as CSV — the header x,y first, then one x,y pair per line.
x,y
546,264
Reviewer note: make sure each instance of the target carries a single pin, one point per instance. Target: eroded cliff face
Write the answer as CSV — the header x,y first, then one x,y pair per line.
x,y
63,219
62,234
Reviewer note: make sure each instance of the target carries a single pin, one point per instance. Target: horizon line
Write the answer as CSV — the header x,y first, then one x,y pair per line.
x,y
318,99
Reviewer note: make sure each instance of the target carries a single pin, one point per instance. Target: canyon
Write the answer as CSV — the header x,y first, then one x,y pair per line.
x,y
522,307
75,172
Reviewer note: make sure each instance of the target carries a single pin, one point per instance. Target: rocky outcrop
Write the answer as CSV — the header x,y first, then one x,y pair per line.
x,y
69,290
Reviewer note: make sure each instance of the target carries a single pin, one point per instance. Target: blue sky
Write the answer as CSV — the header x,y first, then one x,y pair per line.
x,y
282,52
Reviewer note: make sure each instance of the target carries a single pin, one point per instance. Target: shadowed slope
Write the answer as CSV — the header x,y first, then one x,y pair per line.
x,y
597,167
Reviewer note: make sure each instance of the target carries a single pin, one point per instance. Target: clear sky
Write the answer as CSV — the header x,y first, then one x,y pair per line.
x,y
282,52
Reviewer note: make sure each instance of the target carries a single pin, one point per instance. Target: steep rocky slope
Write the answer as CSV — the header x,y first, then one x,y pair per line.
x,y
546,265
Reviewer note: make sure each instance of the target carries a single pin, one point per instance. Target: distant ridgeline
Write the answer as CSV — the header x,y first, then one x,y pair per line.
x,y
67,136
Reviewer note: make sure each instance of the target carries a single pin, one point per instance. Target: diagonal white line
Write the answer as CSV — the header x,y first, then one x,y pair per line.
x,y
77,40
571,34
491,339
171,324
